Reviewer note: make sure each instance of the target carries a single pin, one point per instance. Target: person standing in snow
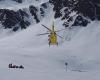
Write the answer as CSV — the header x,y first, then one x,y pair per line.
x,y
66,64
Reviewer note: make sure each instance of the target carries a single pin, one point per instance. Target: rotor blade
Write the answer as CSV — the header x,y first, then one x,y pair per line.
x,y
60,30
46,27
42,34
60,36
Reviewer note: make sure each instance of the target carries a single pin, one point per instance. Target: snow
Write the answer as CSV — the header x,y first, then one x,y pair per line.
x,y
42,62
80,49
13,5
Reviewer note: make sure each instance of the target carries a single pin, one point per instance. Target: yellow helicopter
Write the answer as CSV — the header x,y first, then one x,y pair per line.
x,y
52,35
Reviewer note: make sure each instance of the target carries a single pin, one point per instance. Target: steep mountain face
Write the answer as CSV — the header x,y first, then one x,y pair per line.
x,y
71,12
23,17
38,12
83,9
14,19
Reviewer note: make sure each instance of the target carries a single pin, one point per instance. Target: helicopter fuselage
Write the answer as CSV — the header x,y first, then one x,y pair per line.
x,y
53,38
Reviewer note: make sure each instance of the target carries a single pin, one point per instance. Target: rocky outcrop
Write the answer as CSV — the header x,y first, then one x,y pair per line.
x,y
80,21
19,1
34,11
87,8
14,19
22,18
82,9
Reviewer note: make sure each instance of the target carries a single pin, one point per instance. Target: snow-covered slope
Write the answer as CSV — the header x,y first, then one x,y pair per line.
x,y
5,4
42,62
